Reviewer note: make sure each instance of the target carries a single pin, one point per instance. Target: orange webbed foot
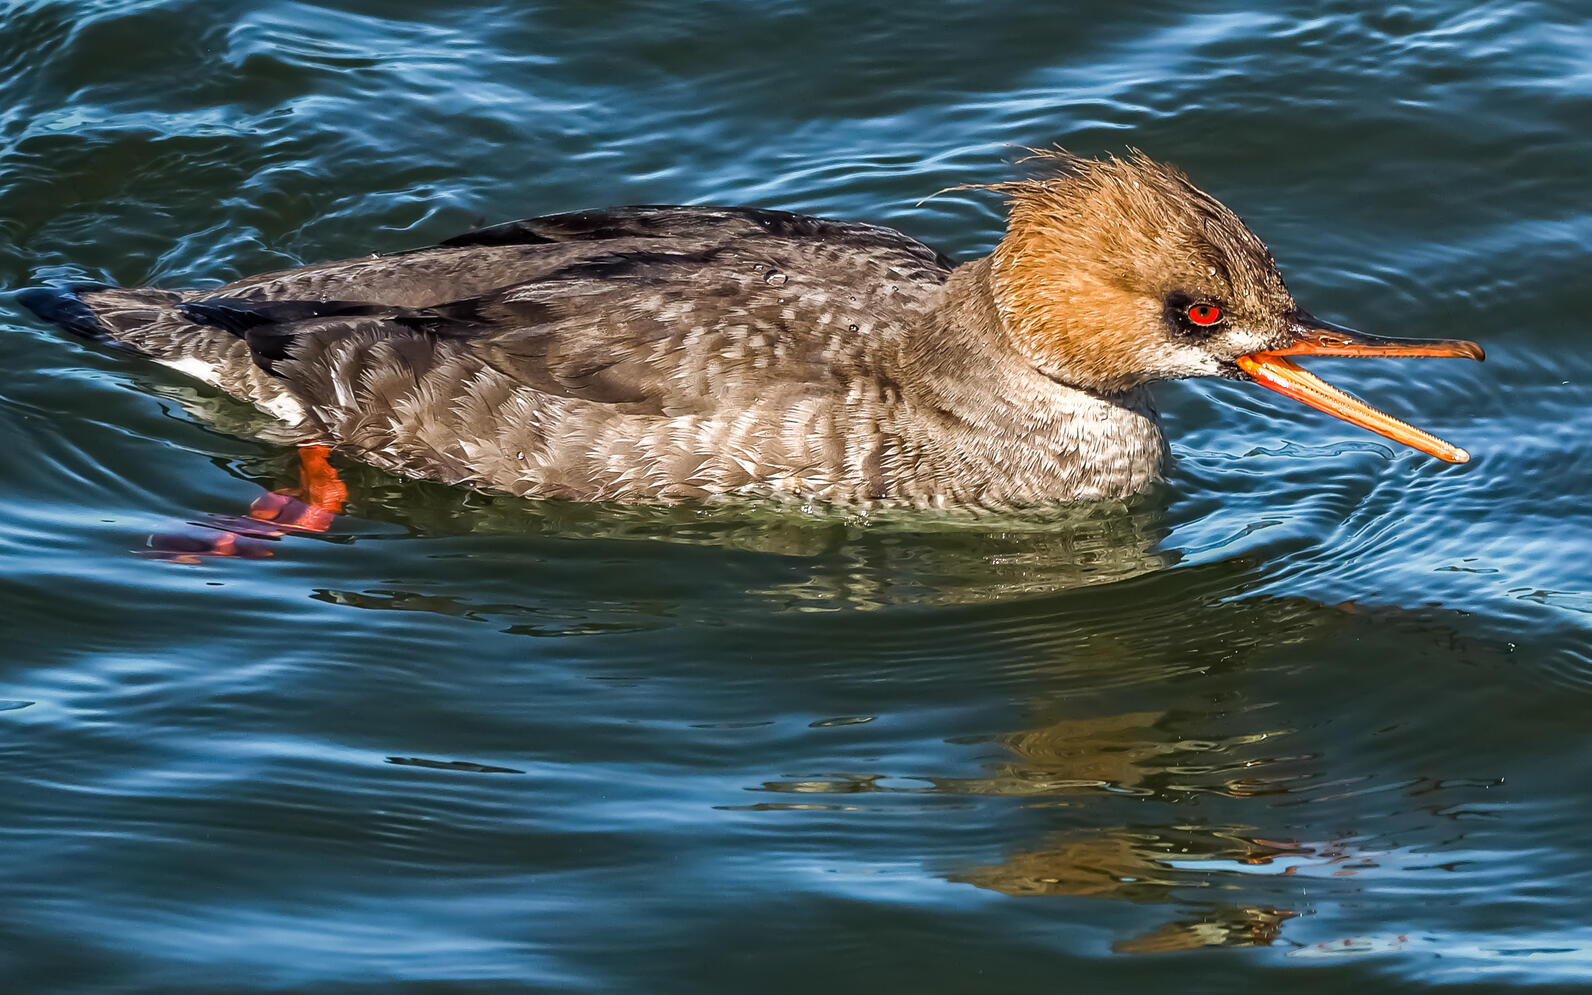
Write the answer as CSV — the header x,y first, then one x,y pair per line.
x,y
311,507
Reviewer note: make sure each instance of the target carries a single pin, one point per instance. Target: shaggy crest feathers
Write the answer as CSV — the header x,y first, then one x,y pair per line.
x,y
1097,244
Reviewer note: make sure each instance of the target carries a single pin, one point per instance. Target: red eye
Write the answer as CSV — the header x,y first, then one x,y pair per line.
x,y
1204,314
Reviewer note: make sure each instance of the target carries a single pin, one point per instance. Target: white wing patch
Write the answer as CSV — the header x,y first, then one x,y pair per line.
x,y
194,367
283,405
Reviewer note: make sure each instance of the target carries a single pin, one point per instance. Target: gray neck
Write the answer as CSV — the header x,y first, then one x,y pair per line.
x,y
1003,428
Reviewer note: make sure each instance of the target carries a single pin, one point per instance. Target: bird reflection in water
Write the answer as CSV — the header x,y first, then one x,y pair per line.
x,y
1136,864
1076,769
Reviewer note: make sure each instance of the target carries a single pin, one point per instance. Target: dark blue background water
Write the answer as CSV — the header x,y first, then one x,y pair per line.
x,y
1314,715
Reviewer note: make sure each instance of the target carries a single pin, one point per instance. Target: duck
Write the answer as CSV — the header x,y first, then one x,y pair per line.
x,y
662,354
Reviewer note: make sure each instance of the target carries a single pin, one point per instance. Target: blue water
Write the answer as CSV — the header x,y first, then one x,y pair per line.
x,y
1312,715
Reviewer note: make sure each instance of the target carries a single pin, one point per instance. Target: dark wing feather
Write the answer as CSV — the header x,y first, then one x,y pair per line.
x,y
273,329
634,306
714,224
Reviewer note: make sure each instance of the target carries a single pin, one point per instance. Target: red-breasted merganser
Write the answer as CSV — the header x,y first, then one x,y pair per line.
x,y
669,353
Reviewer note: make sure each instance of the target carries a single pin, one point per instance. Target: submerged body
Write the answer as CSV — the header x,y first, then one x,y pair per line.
x,y
669,353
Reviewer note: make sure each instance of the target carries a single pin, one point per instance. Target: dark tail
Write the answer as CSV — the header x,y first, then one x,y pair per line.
x,y
64,307
141,317
158,324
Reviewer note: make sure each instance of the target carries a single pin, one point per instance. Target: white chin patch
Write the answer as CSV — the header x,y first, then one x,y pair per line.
x,y
1187,361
